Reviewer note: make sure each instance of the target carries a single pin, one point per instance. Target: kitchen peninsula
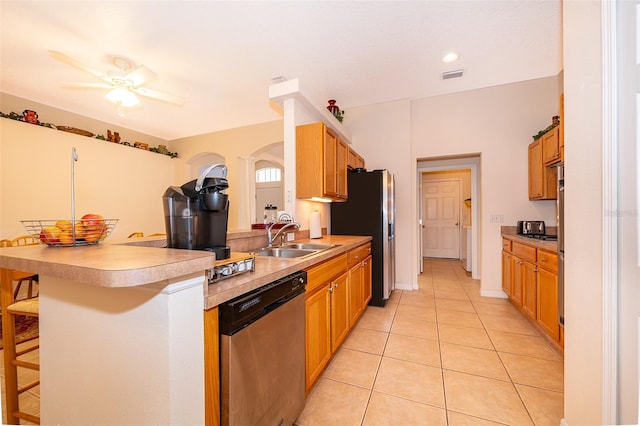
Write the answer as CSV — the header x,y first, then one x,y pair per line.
x,y
122,330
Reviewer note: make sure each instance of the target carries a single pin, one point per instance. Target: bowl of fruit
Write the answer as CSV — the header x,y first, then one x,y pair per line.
x,y
90,229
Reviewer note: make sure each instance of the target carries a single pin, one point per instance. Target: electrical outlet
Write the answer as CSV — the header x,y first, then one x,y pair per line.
x,y
496,218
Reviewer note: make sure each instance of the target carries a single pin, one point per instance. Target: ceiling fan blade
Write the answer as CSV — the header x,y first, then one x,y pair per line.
x,y
87,86
159,96
70,61
140,76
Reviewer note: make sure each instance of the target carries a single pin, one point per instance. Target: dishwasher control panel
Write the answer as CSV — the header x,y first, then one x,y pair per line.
x,y
238,313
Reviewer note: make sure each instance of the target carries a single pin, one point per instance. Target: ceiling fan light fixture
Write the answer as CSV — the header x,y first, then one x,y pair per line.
x,y
122,96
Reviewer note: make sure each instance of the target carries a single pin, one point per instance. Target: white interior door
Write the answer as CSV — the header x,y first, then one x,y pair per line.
x,y
441,219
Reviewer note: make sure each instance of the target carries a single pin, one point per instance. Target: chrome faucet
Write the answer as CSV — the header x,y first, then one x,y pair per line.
x,y
280,232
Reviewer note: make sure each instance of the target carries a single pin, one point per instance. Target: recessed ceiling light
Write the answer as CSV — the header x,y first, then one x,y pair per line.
x,y
449,57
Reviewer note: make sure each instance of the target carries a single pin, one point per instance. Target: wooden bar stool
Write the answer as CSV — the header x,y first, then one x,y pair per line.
x,y
10,309
22,277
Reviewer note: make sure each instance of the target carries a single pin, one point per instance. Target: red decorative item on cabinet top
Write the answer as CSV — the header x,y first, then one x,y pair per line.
x,y
332,107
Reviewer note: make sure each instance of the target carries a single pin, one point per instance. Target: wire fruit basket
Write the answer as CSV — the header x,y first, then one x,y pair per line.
x,y
70,233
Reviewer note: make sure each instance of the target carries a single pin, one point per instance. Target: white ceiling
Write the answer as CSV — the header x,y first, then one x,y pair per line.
x,y
222,56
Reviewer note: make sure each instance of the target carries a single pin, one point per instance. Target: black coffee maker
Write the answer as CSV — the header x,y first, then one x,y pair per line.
x,y
196,213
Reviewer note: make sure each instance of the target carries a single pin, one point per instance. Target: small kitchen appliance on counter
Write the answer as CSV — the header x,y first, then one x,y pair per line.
x,y
196,213
531,227
535,229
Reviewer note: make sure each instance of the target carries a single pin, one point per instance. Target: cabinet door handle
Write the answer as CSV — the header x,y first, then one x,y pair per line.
x,y
330,289
543,259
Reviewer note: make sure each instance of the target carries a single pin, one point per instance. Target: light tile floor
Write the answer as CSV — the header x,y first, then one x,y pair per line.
x,y
441,355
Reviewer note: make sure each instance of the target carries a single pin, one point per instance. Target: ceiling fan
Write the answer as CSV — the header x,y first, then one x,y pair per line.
x,y
123,82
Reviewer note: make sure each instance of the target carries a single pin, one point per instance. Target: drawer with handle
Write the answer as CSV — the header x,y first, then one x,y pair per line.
x,y
548,260
358,254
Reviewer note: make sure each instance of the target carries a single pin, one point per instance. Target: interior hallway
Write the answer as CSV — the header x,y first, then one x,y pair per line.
x,y
442,355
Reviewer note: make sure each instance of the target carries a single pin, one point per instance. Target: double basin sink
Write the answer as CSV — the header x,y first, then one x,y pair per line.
x,y
294,250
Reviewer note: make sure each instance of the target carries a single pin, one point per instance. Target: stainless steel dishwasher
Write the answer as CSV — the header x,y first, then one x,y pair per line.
x,y
262,360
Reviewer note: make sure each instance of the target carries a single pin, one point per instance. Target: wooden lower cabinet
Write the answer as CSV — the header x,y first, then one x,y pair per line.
x,y
529,289
318,333
356,291
211,368
548,301
530,279
340,324
336,297
517,268
506,272
366,281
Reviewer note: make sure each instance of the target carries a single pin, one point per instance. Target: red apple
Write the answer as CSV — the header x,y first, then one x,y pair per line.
x,y
94,226
50,235
93,222
92,219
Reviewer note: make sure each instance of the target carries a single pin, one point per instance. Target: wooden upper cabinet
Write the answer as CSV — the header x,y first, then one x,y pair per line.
x,y
551,146
321,163
330,163
543,183
355,161
342,154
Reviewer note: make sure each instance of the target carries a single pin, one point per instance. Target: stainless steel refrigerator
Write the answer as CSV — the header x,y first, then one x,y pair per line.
x,y
370,210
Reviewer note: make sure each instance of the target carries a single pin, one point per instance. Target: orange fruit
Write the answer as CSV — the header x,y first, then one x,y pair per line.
x,y
64,225
66,236
80,230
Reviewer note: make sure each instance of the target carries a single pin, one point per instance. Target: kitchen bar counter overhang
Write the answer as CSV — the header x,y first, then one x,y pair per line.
x,y
121,325
127,263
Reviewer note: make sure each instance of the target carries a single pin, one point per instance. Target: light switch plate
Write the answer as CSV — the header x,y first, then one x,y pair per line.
x,y
496,218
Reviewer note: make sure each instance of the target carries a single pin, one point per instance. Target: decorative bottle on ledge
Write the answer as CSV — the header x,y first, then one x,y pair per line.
x,y
335,110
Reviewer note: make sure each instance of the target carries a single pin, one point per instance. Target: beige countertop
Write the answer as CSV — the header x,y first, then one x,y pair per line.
x,y
107,265
269,269
510,233
139,261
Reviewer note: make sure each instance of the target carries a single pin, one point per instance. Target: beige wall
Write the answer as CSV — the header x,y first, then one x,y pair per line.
x,y
583,200
58,117
234,145
496,123
123,170
629,265
381,134
116,181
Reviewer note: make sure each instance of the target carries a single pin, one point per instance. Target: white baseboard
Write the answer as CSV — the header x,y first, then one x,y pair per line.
x,y
499,294
400,286
564,422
